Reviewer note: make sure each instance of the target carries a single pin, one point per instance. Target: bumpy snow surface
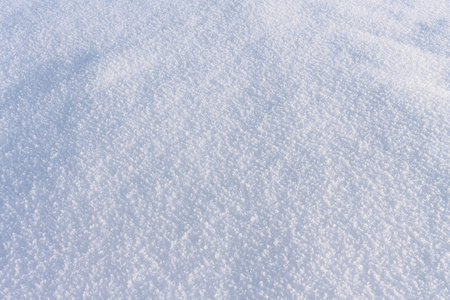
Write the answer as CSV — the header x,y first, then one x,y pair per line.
x,y
224,149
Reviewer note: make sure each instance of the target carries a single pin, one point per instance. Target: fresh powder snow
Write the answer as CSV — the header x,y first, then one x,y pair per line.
x,y
284,149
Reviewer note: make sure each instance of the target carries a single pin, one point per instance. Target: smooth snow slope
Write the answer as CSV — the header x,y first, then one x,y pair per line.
x,y
231,150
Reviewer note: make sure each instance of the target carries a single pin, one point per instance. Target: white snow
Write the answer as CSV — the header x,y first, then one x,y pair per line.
x,y
232,150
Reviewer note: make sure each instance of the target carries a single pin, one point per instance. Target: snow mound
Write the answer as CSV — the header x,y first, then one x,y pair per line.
x,y
232,150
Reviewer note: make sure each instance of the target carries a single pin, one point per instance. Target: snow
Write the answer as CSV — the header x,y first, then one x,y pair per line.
x,y
231,150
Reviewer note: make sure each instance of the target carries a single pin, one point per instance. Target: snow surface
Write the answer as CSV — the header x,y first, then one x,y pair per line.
x,y
231,150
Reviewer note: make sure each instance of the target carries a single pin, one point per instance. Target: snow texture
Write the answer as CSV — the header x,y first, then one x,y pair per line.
x,y
272,149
